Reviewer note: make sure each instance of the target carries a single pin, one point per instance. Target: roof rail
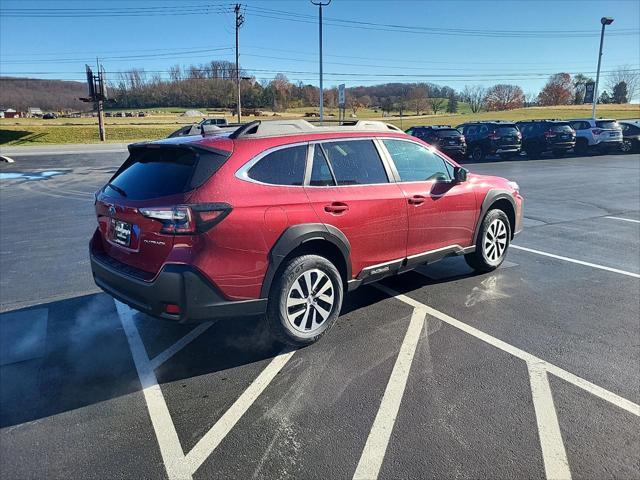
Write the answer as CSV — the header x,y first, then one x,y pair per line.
x,y
271,128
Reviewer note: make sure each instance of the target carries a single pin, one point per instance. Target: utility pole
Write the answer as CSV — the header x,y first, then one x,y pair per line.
x,y
239,22
604,21
99,103
97,94
320,5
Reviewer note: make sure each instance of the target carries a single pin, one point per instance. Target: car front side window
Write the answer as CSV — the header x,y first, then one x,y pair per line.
x,y
416,163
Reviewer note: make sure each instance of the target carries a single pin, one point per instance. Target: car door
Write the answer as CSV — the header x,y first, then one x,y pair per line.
x,y
349,188
441,212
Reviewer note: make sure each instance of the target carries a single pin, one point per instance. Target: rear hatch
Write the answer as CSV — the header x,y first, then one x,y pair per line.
x,y
132,208
560,134
506,137
607,131
450,138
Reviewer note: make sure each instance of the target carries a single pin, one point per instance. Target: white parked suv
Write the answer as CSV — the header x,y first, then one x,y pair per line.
x,y
602,134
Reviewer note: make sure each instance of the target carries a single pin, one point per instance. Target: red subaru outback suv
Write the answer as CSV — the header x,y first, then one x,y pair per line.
x,y
282,218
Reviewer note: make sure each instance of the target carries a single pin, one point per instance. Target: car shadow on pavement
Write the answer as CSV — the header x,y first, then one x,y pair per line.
x,y
65,355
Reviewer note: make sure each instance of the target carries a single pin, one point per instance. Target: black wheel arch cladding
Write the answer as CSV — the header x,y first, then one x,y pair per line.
x,y
296,236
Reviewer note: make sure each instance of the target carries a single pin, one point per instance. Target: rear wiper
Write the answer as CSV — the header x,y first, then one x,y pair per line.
x,y
117,189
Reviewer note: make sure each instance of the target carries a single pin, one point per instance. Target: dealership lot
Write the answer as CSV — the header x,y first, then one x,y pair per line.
x,y
528,371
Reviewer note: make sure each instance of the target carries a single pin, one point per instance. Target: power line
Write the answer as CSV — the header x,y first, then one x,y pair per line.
x,y
302,18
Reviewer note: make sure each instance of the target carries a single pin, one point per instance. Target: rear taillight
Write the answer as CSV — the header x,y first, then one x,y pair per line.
x,y
550,134
494,136
462,139
596,131
187,219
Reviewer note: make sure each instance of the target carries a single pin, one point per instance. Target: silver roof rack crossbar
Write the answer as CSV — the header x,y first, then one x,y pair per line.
x,y
271,128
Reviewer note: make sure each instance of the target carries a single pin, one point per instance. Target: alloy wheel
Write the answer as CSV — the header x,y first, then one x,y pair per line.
x,y
626,146
495,240
310,301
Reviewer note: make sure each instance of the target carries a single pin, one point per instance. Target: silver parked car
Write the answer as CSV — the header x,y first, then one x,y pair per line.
x,y
596,134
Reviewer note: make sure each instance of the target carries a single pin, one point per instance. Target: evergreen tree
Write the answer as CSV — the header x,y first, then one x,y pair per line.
x,y
452,106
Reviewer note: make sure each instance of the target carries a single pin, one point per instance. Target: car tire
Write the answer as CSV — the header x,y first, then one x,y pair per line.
x,y
298,315
477,154
492,243
626,147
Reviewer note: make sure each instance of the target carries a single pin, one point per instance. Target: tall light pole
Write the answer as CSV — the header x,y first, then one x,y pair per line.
x,y
604,21
320,5
239,22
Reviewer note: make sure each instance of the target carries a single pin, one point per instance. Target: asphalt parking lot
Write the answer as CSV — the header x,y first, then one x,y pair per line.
x,y
531,371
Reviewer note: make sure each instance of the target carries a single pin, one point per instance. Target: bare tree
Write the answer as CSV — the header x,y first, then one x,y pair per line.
x,y
628,75
474,95
436,104
504,97
418,98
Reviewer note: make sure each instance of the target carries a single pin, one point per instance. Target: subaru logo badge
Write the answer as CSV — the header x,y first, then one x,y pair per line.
x,y
111,211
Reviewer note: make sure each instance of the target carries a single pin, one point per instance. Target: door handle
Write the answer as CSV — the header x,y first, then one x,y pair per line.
x,y
336,208
416,200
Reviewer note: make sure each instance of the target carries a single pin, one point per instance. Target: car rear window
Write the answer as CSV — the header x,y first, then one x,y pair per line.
x,y
152,172
608,124
507,130
561,128
281,167
449,132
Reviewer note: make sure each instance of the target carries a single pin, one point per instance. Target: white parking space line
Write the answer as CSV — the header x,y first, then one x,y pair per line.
x,y
556,465
554,454
207,444
180,344
170,447
178,465
600,392
378,440
579,262
623,219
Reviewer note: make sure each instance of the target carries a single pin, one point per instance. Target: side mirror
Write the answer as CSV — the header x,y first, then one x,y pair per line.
x,y
460,174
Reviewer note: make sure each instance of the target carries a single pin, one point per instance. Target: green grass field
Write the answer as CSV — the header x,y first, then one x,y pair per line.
x,y
33,131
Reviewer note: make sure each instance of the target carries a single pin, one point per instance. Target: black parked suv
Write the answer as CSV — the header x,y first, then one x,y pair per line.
x,y
494,137
445,138
541,136
630,135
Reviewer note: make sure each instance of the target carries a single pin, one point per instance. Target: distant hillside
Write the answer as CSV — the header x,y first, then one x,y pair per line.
x,y
53,95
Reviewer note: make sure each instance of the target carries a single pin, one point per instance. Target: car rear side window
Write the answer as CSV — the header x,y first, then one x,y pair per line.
x,y
284,166
321,175
416,163
355,162
152,172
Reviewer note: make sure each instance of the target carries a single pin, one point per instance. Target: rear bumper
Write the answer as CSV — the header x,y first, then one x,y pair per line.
x,y
180,285
454,149
507,149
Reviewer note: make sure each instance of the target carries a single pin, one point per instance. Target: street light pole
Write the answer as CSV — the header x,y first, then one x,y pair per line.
x,y
604,21
320,5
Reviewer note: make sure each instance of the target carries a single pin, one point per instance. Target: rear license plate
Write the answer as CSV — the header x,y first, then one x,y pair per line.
x,y
452,142
121,232
565,137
